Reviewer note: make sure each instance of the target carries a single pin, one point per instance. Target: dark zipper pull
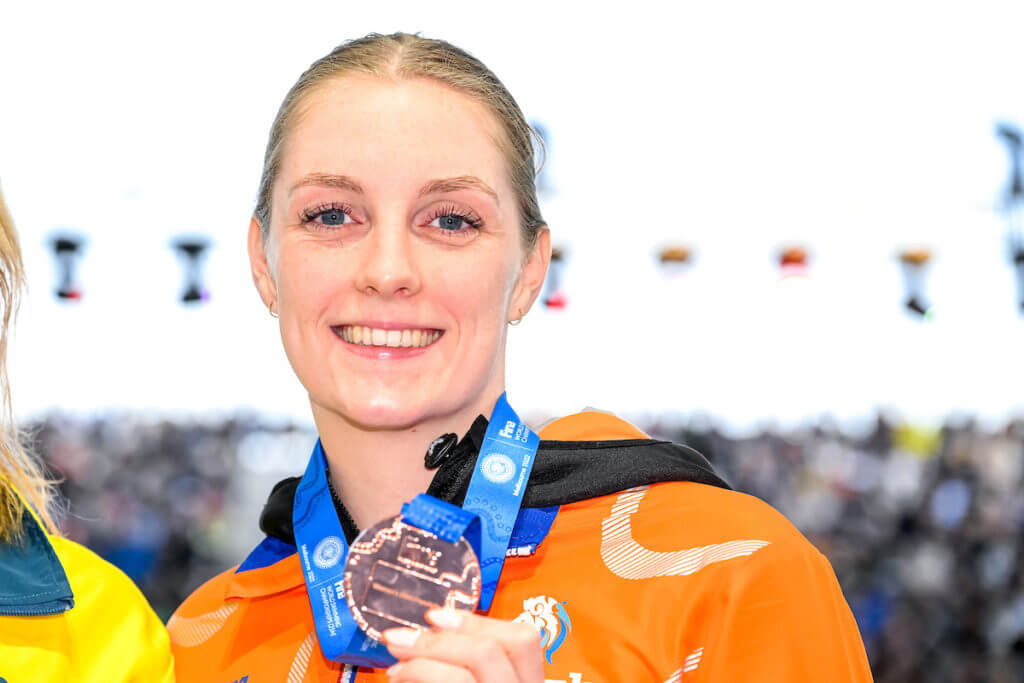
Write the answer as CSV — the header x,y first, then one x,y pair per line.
x,y
439,450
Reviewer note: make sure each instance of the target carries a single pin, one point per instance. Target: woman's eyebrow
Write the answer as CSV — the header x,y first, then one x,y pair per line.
x,y
464,182
441,185
340,182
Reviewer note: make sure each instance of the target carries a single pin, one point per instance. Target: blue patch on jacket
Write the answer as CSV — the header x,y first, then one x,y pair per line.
x,y
32,580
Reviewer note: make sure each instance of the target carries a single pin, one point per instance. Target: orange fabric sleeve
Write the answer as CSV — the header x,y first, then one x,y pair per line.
x,y
590,425
784,620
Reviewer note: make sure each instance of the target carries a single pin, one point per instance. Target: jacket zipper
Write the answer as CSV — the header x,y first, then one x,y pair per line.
x,y
34,611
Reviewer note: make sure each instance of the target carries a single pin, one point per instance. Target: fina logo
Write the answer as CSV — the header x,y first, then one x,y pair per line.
x,y
498,468
328,552
509,428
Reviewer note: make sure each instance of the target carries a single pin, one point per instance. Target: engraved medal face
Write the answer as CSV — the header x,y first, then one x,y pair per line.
x,y
395,572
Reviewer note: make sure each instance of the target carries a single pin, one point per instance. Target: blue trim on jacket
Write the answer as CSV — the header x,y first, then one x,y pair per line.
x,y
32,579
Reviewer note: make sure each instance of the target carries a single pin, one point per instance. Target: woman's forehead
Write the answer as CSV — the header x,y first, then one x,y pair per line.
x,y
384,130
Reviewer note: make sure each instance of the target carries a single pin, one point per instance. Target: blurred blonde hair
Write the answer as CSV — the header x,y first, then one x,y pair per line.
x,y
20,473
404,55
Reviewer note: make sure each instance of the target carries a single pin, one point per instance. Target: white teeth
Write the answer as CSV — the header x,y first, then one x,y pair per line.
x,y
368,336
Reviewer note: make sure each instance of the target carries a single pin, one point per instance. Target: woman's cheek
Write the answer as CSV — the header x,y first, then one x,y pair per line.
x,y
303,291
313,285
472,288
479,309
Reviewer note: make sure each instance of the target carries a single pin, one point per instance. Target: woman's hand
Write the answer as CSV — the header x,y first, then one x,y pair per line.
x,y
466,648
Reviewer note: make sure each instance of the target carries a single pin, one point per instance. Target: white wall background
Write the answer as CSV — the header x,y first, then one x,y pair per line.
x,y
856,128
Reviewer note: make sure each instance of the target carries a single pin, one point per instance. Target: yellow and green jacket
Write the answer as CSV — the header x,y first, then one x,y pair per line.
x,y
67,615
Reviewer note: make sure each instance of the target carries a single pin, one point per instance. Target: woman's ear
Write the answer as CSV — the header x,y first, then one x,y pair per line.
x,y
531,279
261,272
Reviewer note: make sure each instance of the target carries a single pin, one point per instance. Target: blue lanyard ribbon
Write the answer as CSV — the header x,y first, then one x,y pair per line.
x,y
322,552
496,490
486,519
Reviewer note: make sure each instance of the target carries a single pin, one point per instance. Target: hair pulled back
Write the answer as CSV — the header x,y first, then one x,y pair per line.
x,y
404,55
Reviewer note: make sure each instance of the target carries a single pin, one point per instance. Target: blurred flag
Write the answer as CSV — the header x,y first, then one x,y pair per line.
x,y
192,253
674,259
554,295
915,264
67,251
793,262
1013,202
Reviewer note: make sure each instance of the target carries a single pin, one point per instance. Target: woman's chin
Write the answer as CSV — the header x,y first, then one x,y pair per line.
x,y
387,413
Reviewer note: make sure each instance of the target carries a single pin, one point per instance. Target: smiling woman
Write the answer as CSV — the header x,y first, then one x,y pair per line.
x,y
396,236
376,224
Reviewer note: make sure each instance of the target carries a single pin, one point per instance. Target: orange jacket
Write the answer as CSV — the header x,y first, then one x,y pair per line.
x,y
674,581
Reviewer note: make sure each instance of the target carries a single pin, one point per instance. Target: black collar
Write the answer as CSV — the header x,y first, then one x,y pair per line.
x,y
564,472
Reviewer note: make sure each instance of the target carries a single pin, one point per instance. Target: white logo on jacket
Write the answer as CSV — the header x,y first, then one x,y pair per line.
x,y
549,617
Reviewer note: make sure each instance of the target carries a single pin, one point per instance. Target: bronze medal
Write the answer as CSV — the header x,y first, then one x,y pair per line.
x,y
396,572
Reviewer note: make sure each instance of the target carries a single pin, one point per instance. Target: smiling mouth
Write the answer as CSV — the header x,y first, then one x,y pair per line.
x,y
361,335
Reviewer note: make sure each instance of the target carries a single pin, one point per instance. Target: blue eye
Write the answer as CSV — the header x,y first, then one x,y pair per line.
x,y
451,222
333,217
327,216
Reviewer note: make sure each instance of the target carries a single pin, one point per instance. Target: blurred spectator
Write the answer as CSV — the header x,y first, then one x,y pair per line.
x,y
153,497
923,527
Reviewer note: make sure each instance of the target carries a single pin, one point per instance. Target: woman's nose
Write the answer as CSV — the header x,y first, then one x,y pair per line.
x,y
389,268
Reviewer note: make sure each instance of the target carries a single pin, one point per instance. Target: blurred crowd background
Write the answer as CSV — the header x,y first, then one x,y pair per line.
x,y
789,234
922,525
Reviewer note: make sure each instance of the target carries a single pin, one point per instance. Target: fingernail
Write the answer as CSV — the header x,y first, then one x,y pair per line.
x,y
402,637
445,618
393,671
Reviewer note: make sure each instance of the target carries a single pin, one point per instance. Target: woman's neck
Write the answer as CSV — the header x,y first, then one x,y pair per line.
x,y
374,471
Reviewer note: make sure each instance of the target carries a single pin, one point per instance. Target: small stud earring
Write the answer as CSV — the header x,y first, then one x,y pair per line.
x,y
517,320
271,309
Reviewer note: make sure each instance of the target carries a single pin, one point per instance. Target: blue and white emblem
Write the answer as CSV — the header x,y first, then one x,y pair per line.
x,y
549,617
327,552
498,468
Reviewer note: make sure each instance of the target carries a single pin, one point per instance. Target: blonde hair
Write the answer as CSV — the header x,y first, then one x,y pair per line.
x,y
19,471
403,55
